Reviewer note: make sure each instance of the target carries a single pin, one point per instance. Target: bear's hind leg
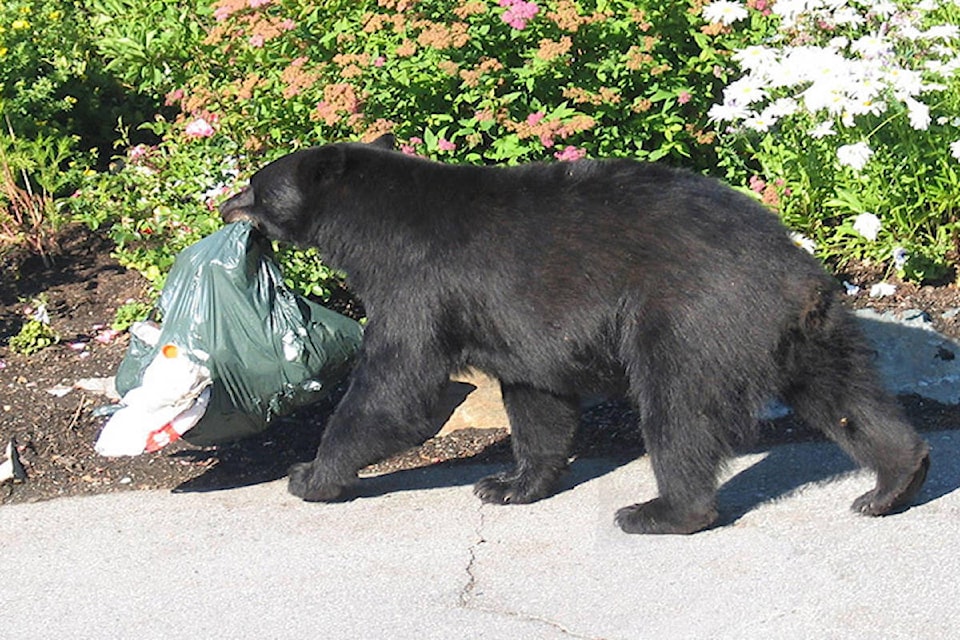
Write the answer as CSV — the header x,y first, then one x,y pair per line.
x,y
542,427
686,478
685,435
869,427
834,387
872,431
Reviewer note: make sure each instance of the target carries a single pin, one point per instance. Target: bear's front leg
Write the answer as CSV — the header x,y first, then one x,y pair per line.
x,y
342,452
541,431
385,410
312,482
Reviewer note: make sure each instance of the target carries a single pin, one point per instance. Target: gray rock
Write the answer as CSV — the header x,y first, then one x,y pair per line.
x,y
912,356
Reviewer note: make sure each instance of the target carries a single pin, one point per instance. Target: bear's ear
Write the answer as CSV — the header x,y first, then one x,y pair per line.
x,y
322,164
387,141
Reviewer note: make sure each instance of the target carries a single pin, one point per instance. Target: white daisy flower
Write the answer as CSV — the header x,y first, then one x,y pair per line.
x,y
918,113
871,46
727,112
724,11
822,130
746,90
755,58
955,149
854,155
867,225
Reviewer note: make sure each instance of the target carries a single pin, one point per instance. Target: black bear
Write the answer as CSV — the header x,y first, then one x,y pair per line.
x,y
607,277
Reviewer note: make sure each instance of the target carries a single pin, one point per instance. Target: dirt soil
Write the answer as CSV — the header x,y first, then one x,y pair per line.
x,y
54,426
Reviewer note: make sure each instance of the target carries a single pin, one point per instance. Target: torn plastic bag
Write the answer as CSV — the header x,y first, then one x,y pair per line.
x,y
172,397
268,350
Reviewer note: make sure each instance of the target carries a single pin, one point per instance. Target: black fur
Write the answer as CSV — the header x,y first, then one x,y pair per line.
x,y
564,279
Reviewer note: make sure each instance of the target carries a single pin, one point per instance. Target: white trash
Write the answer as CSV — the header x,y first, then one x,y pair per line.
x,y
170,400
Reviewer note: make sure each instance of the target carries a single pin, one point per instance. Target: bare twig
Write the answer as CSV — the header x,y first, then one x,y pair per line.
x,y
76,414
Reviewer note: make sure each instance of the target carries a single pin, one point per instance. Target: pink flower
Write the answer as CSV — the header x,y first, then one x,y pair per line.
x,y
106,336
379,61
570,154
518,13
256,41
199,128
138,152
684,97
173,97
534,118
757,184
222,13
256,4
416,140
445,145
407,149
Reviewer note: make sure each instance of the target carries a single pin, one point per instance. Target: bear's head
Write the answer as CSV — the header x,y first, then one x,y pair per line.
x,y
285,197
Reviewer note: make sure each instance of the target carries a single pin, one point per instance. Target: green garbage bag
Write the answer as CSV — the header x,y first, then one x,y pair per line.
x,y
267,349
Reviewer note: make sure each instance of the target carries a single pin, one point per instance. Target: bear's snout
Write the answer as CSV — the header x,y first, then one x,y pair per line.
x,y
236,208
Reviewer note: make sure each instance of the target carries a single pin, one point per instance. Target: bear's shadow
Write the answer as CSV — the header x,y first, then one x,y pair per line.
x,y
785,469
788,468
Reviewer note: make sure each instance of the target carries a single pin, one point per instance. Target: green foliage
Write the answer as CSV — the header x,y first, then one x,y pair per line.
x,y
53,81
36,333
154,202
31,173
146,44
304,271
34,336
41,62
484,81
42,57
57,102
130,312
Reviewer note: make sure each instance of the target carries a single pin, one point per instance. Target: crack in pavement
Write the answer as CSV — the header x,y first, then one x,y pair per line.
x,y
467,597
467,592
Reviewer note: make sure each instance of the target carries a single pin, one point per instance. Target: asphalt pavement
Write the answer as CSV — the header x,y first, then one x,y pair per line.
x,y
417,556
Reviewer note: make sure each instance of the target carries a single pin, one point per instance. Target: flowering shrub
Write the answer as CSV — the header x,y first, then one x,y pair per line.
x,y
846,116
459,80
42,57
155,202
464,80
839,115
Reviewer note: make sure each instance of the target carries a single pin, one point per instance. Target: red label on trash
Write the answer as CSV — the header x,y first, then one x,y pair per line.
x,y
161,437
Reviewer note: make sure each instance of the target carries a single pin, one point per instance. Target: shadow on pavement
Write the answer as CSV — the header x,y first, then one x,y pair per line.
x,y
786,469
